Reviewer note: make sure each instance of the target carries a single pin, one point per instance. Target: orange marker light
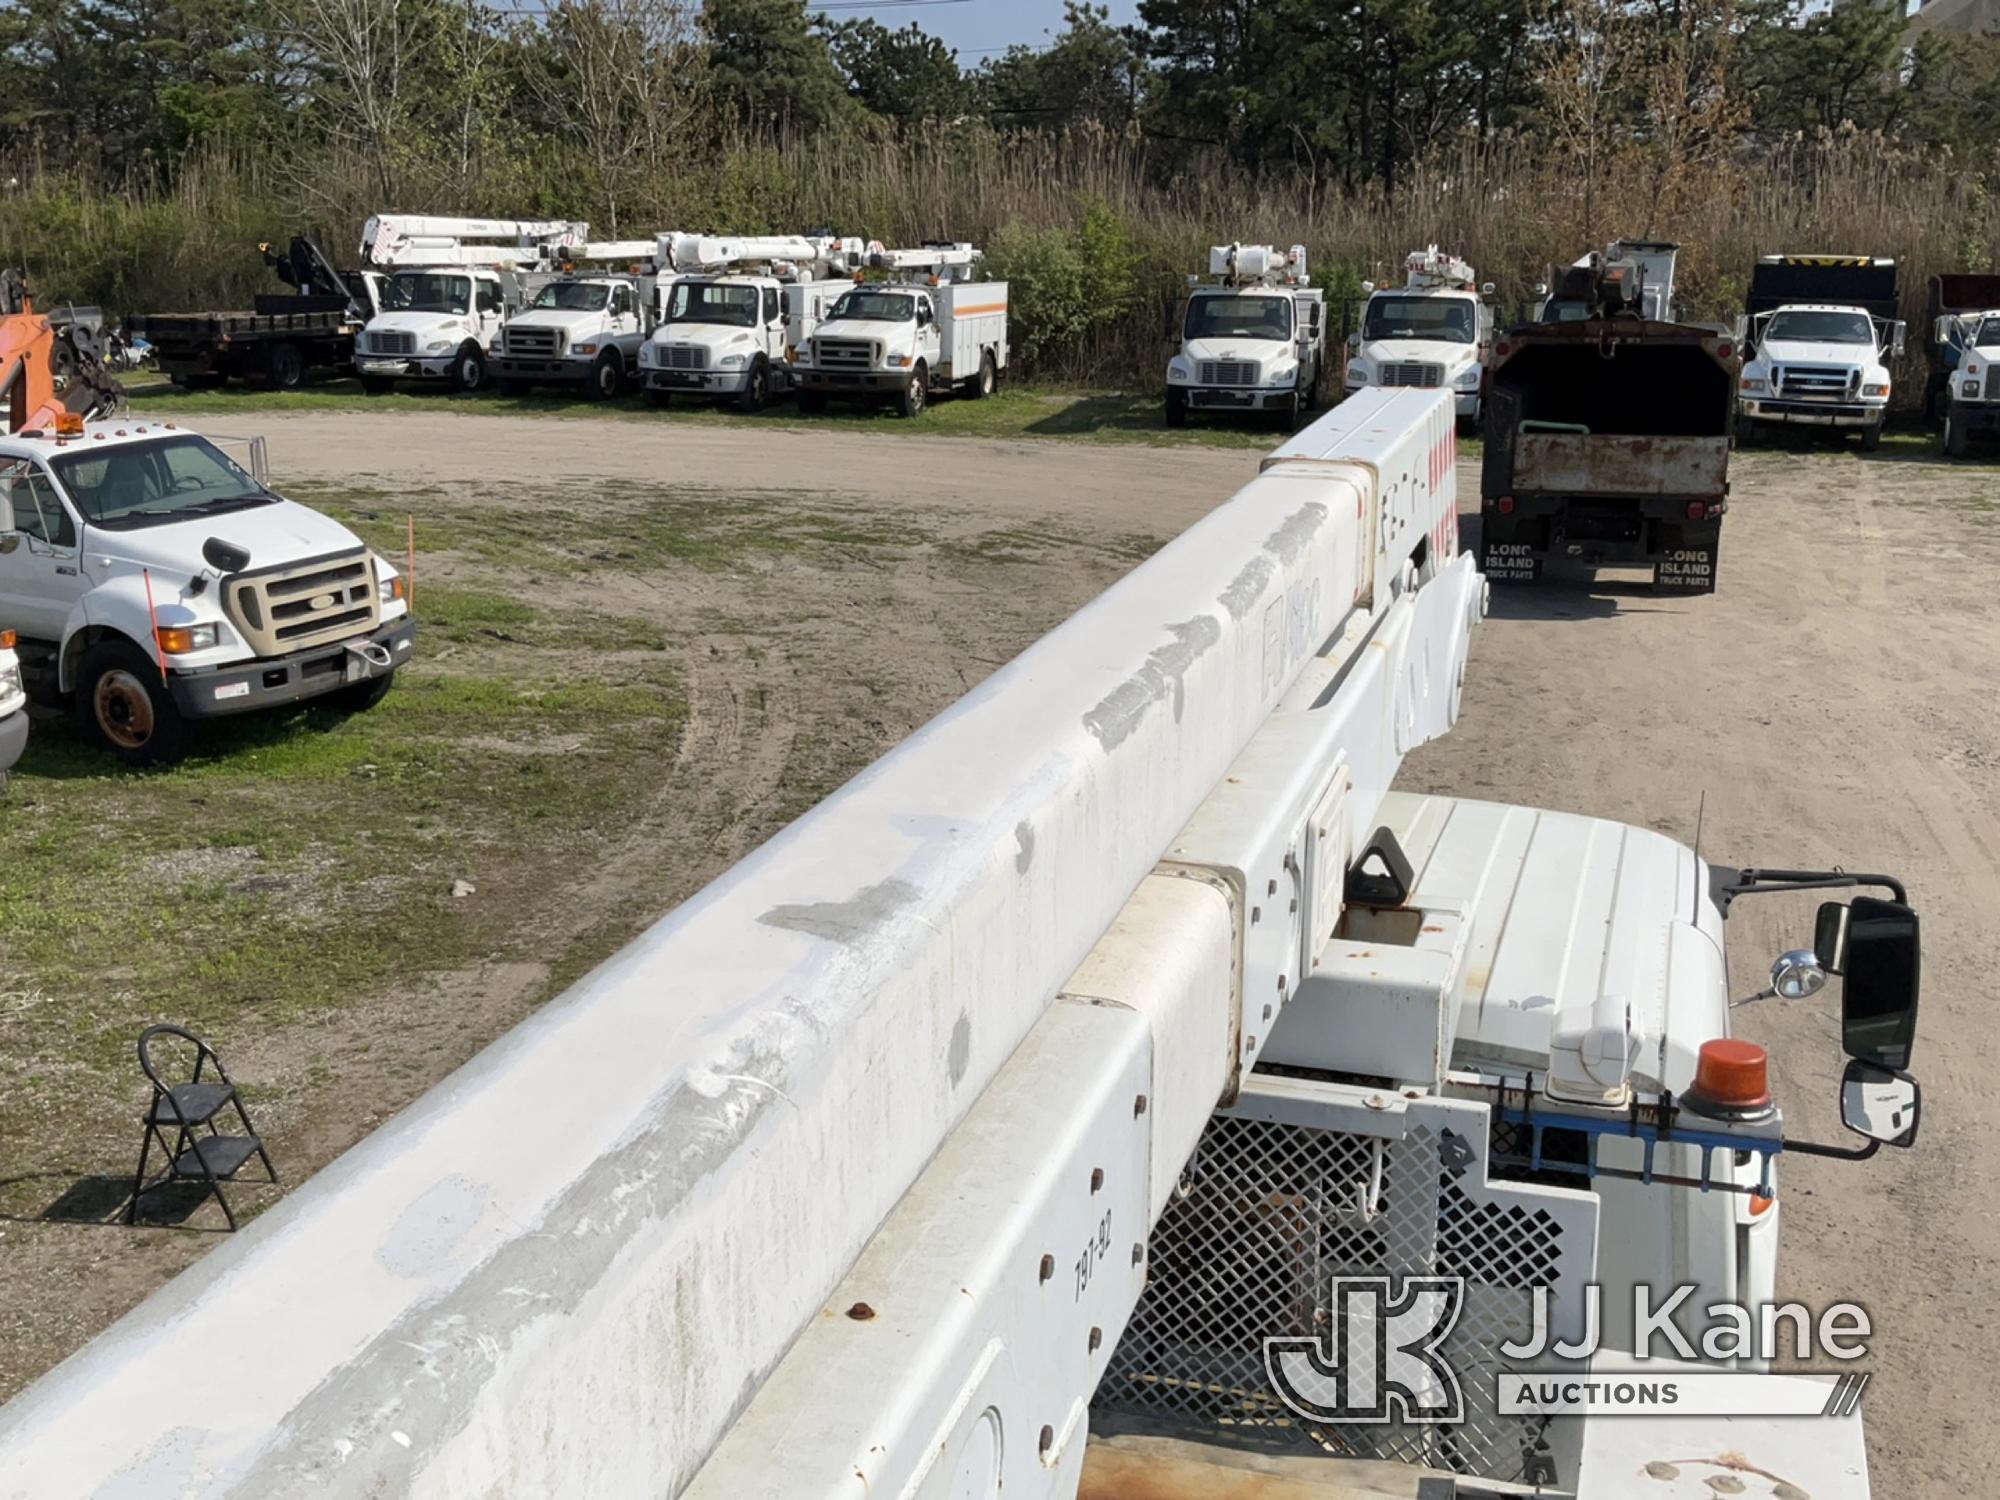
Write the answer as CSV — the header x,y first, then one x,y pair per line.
x,y
6,640
68,423
1730,1078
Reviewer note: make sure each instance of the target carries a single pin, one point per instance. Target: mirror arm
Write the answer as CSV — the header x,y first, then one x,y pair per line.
x,y
1838,1153
1726,885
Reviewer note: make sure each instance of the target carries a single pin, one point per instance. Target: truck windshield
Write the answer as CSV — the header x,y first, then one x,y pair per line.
x,y
1988,334
573,296
1821,327
875,307
427,291
1239,318
1445,320
707,302
150,484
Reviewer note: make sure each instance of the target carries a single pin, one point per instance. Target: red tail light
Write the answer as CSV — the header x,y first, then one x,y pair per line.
x,y
1696,510
1724,349
1502,349
1505,505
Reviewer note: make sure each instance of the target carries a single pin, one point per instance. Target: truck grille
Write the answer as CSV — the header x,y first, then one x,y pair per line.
x,y
390,342
1413,372
844,354
534,343
684,356
1229,372
290,608
1824,382
1992,383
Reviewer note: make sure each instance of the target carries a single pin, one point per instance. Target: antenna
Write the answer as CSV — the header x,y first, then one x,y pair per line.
x,y
1700,812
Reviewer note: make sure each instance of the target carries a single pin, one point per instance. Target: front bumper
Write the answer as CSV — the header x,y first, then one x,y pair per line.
x,y
852,382
13,739
1979,418
698,382
1237,397
1815,413
246,686
381,366
513,367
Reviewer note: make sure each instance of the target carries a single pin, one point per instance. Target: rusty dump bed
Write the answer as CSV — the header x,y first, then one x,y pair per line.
x,y
1610,408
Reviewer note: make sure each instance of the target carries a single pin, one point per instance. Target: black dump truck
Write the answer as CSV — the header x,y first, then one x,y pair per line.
x,y
1607,438
279,342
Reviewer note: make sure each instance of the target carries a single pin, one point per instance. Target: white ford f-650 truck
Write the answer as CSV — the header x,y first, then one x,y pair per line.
x,y
1252,340
582,328
157,582
1434,332
739,311
925,331
13,703
1817,334
1972,395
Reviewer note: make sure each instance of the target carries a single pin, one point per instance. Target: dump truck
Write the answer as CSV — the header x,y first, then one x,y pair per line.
x,y
282,339
1607,438
1951,313
1817,335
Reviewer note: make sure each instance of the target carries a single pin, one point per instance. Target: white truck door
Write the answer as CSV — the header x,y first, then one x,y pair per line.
x,y
625,330
40,579
929,346
773,319
490,312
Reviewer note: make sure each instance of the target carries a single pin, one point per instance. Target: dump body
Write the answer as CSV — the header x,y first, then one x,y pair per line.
x,y
1953,297
1817,336
1608,442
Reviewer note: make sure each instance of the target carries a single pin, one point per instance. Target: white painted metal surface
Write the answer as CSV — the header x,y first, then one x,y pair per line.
x,y
566,1269
429,240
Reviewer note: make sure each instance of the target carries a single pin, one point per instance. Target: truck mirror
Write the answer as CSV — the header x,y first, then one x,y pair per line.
x,y
1878,954
1945,330
6,516
1354,342
1797,975
224,557
1880,1103
1899,333
1487,289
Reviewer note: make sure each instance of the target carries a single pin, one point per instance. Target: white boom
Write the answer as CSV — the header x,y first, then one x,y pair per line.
x,y
1015,951
947,262
1432,267
1258,265
421,240
796,256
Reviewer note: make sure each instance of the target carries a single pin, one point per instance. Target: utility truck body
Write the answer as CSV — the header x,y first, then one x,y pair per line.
x,y
1254,340
739,311
581,328
454,284
283,339
1607,438
1972,392
158,582
1817,336
1120,1048
1434,332
926,329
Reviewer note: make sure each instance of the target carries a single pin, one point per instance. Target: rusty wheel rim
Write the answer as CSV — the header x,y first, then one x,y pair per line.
x,y
124,710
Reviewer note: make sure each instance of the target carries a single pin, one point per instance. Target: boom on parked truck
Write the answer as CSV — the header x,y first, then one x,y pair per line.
x,y
1252,340
1433,332
1817,334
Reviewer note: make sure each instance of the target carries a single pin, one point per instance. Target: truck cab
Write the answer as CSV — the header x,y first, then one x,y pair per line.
x,y
157,583
1972,391
437,324
1433,332
1254,340
584,330
1818,333
13,697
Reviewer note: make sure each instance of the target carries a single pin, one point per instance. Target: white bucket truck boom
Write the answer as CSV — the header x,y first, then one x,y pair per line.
x,y
454,284
1972,393
927,329
1118,1046
1435,332
737,311
1818,332
582,327
1253,340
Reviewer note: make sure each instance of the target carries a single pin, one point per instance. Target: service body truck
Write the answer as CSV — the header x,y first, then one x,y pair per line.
x,y
1972,395
454,284
738,312
1433,332
1607,438
581,328
1951,311
157,583
1252,340
1817,334
925,330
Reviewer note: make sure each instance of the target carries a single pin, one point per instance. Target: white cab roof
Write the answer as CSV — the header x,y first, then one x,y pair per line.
x,y
104,434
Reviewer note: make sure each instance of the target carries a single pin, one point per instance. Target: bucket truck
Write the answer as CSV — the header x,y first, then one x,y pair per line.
x,y
740,310
1120,1047
1252,340
282,339
1817,334
1607,432
151,581
582,327
453,284
1434,332
925,329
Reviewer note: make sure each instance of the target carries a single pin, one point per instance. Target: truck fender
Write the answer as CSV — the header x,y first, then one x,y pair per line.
x,y
117,608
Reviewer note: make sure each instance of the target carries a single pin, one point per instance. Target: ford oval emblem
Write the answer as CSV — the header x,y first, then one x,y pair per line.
x,y
322,601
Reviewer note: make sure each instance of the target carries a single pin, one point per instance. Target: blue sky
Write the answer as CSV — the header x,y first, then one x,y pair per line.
x,y
977,28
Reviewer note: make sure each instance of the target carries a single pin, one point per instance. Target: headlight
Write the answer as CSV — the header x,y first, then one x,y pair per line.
x,y
1468,378
1281,375
1177,373
900,361
583,348
390,589
1876,390
179,640
437,346
10,680
730,362
1357,374
1754,387
645,355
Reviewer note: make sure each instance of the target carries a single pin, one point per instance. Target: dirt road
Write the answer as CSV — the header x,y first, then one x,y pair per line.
x,y
1833,701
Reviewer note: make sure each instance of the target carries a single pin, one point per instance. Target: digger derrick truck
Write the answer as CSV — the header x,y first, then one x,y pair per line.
x,y
1087,1061
1607,438
1251,340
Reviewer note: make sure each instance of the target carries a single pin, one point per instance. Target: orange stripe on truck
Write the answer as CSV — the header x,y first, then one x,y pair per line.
x,y
973,312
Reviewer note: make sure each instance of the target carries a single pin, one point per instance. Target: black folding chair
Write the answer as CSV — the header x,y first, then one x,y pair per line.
x,y
184,1108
